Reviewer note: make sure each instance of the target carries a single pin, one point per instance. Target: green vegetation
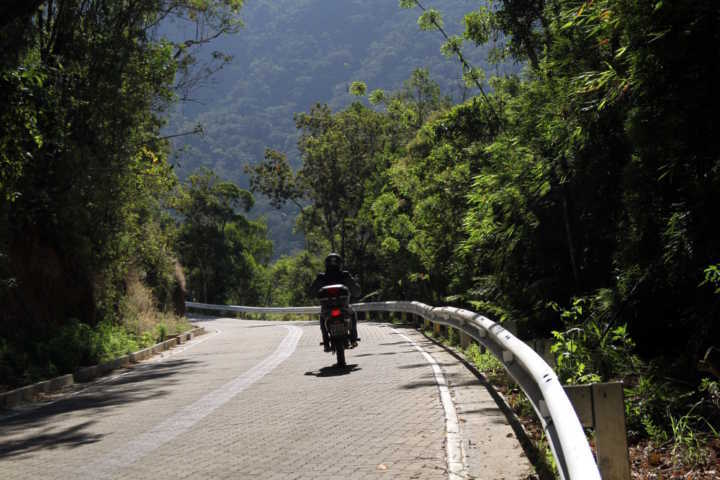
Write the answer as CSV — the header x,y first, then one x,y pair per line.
x,y
290,55
576,198
88,265
221,250
290,277
489,365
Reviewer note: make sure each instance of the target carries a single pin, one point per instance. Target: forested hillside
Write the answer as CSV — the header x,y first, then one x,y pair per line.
x,y
94,223
290,55
578,199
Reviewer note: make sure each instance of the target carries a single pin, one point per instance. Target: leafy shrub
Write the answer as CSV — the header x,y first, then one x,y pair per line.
x,y
711,388
689,439
646,407
162,332
712,277
591,349
147,339
110,341
488,364
453,337
71,347
74,345
667,413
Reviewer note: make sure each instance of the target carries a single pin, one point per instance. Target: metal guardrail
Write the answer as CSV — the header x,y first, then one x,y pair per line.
x,y
536,378
244,309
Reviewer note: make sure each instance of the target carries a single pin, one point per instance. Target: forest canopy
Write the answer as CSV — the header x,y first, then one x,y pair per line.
x,y
88,263
562,176
576,199
290,55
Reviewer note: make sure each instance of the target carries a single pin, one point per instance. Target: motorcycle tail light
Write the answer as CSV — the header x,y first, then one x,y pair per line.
x,y
332,291
335,312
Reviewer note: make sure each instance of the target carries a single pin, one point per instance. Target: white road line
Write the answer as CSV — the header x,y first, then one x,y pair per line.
x,y
457,468
186,418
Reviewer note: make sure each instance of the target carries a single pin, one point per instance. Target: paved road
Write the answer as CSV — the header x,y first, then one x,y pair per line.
x,y
259,400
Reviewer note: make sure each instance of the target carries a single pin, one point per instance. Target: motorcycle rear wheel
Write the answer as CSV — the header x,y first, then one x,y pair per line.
x,y
340,352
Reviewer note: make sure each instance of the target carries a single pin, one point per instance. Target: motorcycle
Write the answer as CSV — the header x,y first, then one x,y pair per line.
x,y
336,315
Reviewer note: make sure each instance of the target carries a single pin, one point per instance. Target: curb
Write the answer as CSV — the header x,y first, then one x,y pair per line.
x,y
86,374
29,392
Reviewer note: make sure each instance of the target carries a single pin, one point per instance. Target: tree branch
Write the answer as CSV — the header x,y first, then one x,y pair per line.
x,y
467,66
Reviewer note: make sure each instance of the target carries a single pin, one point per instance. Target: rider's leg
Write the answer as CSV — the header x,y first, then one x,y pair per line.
x,y
353,330
326,340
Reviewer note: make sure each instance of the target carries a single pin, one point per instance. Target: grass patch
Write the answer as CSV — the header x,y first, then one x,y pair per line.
x,y
63,349
672,426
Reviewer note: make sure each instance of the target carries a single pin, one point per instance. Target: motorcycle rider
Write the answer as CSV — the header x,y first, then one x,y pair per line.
x,y
335,274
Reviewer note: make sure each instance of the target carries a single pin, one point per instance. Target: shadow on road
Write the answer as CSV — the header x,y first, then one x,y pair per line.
x,y
433,383
334,371
383,353
423,365
70,437
34,429
157,371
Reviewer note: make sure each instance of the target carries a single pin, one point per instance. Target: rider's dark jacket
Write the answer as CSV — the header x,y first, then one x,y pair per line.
x,y
332,277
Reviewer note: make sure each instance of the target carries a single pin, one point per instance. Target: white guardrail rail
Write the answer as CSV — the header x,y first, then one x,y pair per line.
x,y
536,378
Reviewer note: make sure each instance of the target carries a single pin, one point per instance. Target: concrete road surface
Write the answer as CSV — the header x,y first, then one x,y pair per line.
x,y
261,400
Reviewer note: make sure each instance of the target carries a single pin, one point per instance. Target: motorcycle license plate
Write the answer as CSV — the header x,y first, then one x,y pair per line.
x,y
338,329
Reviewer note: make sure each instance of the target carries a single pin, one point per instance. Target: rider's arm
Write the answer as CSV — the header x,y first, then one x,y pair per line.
x,y
316,285
353,284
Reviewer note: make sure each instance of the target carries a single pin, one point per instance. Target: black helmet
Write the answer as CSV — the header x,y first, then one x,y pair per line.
x,y
333,262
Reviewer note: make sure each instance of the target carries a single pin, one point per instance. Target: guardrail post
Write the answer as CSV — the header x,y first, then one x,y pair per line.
x,y
610,433
601,406
437,329
465,340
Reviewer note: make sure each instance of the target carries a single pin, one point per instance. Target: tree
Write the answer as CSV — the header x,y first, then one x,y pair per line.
x,y
612,112
221,249
340,155
422,95
84,171
290,278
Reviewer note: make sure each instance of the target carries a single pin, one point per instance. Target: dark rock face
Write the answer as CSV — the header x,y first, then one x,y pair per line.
x,y
52,287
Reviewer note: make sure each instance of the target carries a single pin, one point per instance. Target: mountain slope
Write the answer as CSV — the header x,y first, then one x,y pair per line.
x,y
292,54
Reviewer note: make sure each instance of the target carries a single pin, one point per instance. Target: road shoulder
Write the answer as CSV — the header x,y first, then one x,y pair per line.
x,y
490,445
